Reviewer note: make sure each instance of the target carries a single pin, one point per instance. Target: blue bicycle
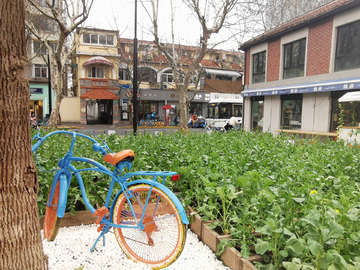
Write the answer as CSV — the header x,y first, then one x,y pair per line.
x,y
148,220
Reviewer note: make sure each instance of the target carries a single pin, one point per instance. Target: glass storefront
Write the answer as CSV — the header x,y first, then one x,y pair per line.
x,y
146,107
195,106
257,113
291,111
351,112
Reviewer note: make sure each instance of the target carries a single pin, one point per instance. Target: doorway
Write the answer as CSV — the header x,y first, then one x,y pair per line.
x,y
99,112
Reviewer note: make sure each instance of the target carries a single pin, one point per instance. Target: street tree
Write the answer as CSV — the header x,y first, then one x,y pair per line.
x,y
211,16
272,13
20,239
65,16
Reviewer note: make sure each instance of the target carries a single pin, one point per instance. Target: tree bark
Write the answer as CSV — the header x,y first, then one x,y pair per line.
x,y
20,240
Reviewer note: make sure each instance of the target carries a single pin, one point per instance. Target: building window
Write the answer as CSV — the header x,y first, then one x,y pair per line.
x,y
124,75
40,71
257,113
146,74
42,49
259,65
294,59
96,72
45,24
167,76
348,47
291,111
223,77
351,117
98,39
39,49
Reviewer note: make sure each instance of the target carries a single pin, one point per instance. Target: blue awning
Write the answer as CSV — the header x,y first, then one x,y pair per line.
x,y
324,86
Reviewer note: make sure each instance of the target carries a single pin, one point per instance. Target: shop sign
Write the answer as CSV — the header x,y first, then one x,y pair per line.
x,y
36,90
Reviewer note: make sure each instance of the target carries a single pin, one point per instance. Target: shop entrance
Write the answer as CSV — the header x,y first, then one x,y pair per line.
x,y
36,107
99,112
99,106
146,107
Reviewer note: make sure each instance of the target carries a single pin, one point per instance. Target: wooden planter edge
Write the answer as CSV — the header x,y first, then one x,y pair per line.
x,y
84,217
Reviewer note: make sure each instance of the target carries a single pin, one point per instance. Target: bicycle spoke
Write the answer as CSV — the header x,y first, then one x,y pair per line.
x,y
163,235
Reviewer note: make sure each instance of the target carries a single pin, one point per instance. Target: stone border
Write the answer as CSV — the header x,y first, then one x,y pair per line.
x,y
231,256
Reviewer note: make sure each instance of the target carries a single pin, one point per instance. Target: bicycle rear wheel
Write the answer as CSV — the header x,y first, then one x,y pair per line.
x,y
162,240
51,221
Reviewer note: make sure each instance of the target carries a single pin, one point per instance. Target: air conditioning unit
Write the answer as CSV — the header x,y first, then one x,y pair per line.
x,y
165,86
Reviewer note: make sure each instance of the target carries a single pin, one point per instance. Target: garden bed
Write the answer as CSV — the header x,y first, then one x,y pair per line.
x,y
295,192
231,256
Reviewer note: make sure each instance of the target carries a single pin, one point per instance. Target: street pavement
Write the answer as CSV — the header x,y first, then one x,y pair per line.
x,y
123,128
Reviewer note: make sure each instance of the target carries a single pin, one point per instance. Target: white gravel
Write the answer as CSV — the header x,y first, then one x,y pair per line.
x,y
71,250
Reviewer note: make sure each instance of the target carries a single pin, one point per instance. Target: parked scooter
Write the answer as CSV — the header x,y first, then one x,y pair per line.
x,y
200,123
228,127
210,128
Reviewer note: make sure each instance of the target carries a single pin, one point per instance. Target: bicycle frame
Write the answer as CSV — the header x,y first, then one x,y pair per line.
x,y
64,175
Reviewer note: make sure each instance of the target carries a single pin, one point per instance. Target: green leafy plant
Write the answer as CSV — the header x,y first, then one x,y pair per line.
x,y
303,198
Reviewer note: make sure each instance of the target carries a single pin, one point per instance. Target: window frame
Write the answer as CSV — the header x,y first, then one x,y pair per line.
x,y
40,69
98,69
263,71
343,52
255,120
300,63
123,74
92,38
292,118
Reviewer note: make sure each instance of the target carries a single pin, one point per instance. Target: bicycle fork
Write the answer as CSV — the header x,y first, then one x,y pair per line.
x,y
64,178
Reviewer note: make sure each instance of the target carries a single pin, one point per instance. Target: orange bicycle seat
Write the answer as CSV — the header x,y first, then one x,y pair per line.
x,y
115,158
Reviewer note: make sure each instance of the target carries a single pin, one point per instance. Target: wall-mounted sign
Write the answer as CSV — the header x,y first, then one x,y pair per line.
x,y
35,90
97,83
125,115
83,109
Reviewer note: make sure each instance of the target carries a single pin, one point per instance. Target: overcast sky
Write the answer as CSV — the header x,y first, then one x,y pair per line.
x,y
120,15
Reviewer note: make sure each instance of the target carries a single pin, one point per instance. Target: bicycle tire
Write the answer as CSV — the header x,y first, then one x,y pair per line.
x,y
51,221
163,238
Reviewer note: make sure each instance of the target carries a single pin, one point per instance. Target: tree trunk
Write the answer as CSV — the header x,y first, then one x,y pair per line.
x,y
183,108
20,240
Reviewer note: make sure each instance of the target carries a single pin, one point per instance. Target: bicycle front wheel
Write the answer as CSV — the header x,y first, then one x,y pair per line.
x,y
51,221
163,236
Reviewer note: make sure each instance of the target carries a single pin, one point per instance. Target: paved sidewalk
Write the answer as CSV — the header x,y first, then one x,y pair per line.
x,y
122,128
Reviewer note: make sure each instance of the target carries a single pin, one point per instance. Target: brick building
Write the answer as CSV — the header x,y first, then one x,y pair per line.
x,y
102,68
295,73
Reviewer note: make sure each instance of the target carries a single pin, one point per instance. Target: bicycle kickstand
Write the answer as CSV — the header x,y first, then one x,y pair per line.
x,y
105,229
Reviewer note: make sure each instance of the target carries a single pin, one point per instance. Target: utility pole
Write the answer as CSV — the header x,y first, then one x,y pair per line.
x,y
135,86
49,79
49,83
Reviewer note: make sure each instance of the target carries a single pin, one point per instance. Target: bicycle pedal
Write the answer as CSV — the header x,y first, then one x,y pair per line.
x,y
100,227
100,213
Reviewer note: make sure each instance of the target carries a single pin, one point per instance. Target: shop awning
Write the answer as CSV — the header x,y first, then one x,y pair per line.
x,y
96,60
351,96
99,94
167,107
222,72
323,86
